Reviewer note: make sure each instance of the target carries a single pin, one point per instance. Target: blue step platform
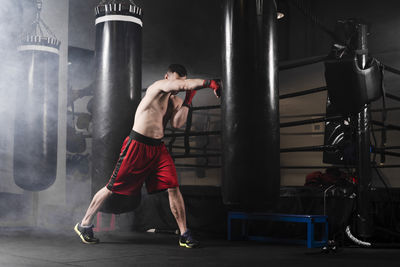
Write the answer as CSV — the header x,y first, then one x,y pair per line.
x,y
311,220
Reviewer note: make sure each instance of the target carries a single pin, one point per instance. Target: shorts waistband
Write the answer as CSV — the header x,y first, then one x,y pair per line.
x,y
144,139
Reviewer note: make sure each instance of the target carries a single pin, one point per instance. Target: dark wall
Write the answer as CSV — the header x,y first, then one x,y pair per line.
x,y
183,31
190,31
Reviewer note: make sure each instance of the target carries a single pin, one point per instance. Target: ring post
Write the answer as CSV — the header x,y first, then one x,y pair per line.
x,y
364,216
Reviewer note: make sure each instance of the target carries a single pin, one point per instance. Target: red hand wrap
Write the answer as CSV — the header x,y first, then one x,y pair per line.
x,y
213,84
189,97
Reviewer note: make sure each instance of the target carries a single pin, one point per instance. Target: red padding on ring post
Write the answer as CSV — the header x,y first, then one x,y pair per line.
x,y
99,228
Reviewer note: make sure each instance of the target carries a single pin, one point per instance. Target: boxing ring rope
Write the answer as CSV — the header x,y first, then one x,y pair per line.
x,y
205,107
384,151
196,148
305,92
181,165
389,126
302,62
324,114
391,69
393,147
339,166
319,148
196,155
192,133
310,148
310,121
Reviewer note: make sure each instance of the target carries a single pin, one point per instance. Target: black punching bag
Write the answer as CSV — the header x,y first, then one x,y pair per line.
x,y
250,105
118,83
36,114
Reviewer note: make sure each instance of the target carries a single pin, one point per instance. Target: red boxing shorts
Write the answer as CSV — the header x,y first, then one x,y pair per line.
x,y
143,160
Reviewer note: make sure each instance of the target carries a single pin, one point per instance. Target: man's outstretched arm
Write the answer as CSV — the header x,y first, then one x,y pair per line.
x,y
176,86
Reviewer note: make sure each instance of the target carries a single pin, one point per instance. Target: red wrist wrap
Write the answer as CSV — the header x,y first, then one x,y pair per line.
x,y
189,97
211,84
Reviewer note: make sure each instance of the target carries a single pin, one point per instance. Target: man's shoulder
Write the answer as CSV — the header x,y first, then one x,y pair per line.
x,y
154,88
157,86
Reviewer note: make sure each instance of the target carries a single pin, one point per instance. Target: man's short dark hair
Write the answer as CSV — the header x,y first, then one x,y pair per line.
x,y
178,68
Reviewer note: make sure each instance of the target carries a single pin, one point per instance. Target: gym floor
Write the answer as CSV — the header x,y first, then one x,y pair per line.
x,y
42,249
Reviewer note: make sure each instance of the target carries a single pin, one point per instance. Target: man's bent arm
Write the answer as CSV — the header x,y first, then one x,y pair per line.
x,y
179,115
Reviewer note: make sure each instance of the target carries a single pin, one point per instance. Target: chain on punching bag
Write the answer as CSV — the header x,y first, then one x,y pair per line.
x,y
36,113
118,82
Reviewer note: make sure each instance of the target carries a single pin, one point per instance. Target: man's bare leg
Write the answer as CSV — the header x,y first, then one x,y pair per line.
x,y
95,205
177,206
85,228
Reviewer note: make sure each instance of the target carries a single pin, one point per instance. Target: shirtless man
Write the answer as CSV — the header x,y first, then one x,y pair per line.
x,y
144,157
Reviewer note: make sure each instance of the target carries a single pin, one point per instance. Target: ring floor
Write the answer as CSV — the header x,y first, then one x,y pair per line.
x,y
43,249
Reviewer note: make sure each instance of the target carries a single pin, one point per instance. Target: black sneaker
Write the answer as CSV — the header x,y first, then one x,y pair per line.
x,y
186,240
86,234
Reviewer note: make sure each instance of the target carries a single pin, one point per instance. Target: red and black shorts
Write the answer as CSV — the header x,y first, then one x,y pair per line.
x,y
143,160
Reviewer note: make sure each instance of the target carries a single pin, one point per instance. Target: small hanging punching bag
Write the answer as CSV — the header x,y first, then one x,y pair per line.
x,y
118,83
36,115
